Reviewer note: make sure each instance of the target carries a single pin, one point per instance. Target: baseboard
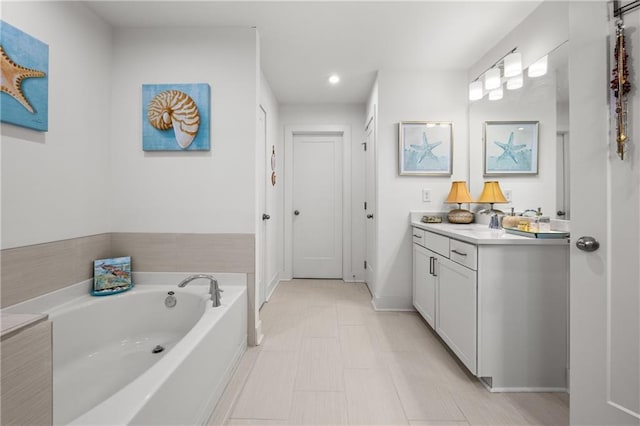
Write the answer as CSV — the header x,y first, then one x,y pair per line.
x,y
522,389
271,288
259,335
353,281
393,303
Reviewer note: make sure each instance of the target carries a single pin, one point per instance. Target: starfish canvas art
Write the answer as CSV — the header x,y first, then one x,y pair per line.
x,y
511,148
425,148
24,83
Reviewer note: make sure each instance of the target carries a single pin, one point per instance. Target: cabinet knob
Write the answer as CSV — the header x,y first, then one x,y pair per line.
x,y
296,212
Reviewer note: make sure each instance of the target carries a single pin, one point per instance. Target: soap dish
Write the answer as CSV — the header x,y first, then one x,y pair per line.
x,y
431,219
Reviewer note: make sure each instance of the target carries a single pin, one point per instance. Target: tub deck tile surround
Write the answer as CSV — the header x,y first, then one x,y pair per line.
x,y
34,270
31,271
158,252
381,368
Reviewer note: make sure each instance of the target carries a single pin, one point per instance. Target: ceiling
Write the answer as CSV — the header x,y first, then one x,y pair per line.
x,y
303,42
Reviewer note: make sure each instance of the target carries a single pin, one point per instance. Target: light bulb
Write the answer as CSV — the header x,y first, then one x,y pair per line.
x,y
475,90
492,79
513,65
515,82
495,95
538,68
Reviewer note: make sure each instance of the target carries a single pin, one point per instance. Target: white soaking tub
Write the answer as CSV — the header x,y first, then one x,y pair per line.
x,y
105,368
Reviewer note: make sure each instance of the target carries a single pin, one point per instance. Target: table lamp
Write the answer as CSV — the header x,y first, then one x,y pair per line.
x,y
491,193
459,194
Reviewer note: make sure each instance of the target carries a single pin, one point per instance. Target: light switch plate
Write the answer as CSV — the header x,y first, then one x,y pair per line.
x,y
426,195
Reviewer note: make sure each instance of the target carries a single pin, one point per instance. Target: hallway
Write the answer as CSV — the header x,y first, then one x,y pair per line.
x,y
328,358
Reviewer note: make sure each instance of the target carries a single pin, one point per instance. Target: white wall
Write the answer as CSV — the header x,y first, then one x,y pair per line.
x,y
546,28
274,194
192,192
411,96
55,184
536,101
354,117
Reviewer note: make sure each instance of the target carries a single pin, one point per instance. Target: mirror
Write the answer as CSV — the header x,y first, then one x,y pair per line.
x,y
544,100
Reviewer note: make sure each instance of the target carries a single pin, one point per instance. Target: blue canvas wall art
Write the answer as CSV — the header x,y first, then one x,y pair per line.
x,y
176,117
511,148
425,148
24,92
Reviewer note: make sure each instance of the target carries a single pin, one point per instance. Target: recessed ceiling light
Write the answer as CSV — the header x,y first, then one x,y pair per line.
x,y
334,79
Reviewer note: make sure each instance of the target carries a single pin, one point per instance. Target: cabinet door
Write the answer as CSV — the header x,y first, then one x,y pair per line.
x,y
457,306
424,288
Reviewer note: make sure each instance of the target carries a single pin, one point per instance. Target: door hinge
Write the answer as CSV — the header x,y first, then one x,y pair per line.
x,y
365,205
365,265
364,144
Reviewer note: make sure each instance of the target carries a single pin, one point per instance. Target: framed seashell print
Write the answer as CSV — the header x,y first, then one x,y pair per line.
x,y
176,117
24,72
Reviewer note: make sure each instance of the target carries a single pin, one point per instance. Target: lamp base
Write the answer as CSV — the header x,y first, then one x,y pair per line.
x,y
460,216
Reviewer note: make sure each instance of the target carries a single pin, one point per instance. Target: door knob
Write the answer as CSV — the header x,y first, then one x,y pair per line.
x,y
587,244
560,213
266,217
369,216
296,212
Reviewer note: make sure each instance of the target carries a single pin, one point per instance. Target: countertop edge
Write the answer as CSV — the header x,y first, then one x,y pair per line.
x,y
498,240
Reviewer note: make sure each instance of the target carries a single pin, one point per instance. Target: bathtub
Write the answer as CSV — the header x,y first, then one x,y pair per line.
x,y
105,368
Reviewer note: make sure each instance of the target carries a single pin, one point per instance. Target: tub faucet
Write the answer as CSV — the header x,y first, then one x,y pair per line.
x,y
214,290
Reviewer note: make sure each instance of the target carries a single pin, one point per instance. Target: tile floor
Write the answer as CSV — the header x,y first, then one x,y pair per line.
x,y
328,358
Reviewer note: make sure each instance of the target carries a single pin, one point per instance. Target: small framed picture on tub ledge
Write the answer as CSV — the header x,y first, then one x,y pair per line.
x,y
111,276
425,148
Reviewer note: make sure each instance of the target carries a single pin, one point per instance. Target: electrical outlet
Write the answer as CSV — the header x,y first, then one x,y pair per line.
x,y
426,195
507,194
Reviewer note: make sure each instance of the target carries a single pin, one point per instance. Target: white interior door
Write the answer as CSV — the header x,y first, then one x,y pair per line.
x,y
370,199
262,275
605,290
317,205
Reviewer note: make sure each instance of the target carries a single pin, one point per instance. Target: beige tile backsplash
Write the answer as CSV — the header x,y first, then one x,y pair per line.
x,y
31,271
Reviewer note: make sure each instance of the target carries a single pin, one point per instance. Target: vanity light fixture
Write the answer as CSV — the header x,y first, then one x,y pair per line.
x,y
513,64
538,68
334,79
475,90
492,79
459,194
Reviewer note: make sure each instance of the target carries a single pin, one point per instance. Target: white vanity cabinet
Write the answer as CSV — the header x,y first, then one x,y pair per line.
x,y
499,301
456,312
444,292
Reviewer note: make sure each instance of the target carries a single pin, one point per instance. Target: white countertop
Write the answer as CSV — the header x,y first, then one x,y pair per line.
x,y
481,234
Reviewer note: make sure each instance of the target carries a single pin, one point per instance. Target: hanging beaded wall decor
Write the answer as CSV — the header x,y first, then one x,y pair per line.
x,y
621,86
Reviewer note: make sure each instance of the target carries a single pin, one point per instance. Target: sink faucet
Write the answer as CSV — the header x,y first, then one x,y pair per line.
x,y
214,290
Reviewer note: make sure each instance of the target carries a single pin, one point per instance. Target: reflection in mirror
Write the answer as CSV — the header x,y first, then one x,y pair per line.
x,y
543,99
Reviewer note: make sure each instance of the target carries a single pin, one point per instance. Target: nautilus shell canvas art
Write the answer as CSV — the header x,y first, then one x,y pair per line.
x,y
175,117
24,79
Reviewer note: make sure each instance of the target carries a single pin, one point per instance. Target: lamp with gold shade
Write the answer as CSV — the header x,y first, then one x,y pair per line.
x,y
491,193
459,194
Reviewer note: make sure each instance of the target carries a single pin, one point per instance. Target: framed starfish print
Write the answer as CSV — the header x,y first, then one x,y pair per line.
x,y
510,148
24,97
425,148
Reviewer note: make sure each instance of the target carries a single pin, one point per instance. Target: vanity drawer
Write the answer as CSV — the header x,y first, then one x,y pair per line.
x,y
463,253
437,243
418,236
